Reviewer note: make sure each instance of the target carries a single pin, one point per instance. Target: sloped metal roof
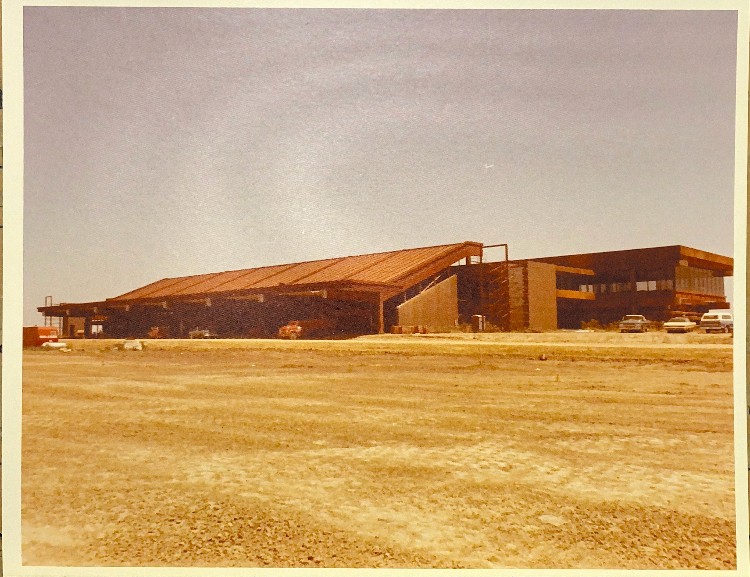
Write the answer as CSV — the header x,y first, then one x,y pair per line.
x,y
381,269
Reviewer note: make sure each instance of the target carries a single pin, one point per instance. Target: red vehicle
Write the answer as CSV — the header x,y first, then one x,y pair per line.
x,y
304,329
37,336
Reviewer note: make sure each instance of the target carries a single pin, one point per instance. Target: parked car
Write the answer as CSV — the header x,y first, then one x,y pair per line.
x,y
679,325
717,322
634,324
689,315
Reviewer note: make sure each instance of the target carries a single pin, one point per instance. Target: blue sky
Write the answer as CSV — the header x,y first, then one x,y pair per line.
x,y
167,142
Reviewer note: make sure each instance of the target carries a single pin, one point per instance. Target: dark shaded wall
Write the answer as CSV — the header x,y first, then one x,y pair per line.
x,y
241,319
71,325
517,294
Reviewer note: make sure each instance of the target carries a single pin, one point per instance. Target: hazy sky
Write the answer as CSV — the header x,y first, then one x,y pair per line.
x,y
167,142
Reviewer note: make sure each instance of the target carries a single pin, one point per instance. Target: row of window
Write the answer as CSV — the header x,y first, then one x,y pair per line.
x,y
707,286
697,280
618,287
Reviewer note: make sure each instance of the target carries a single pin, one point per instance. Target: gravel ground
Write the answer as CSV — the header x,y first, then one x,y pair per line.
x,y
382,452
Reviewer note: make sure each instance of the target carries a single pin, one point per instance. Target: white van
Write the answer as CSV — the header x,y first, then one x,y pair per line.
x,y
717,321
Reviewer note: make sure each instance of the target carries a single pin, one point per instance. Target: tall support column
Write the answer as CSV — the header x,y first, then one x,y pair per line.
x,y
381,321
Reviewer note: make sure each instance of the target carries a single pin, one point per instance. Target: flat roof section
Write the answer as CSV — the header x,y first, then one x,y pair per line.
x,y
644,257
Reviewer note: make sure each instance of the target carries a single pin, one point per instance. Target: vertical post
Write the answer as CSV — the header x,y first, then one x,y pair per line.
x,y
47,318
381,321
506,292
482,287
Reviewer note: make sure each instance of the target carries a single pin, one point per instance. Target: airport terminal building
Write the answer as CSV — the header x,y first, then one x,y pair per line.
x,y
436,288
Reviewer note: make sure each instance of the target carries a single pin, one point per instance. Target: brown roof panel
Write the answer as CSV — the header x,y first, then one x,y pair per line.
x,y
400,263
180,287
297,272
233,280
149,289
372,269
346,269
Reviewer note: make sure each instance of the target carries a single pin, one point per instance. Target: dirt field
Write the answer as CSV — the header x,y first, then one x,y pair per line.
x,y
392,451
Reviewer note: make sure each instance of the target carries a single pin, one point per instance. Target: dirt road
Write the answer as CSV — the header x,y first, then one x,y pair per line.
x,y
614,452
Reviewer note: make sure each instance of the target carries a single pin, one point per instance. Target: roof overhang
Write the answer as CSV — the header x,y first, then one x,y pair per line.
x,y
707,260
575,295
574,270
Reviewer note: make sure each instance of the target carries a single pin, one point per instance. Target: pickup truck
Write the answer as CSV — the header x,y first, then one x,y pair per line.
x,y
634,324
303,329
717,321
